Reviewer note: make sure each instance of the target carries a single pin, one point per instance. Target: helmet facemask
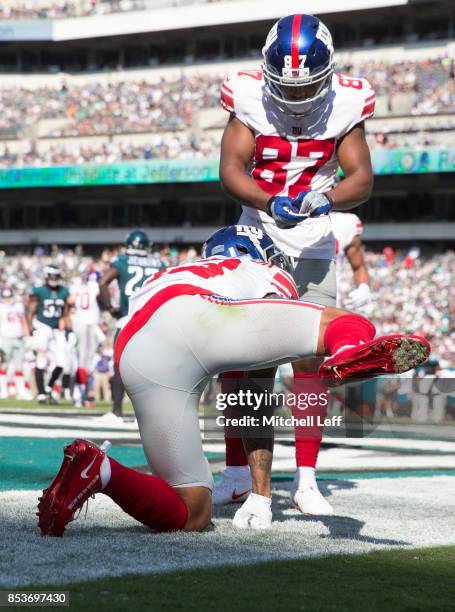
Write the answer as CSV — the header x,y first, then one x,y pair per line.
x,y
298,75
300,95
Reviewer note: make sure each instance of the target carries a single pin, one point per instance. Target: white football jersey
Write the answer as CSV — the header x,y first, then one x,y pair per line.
x,y
11,320
86,309
345,227
295,154
226,277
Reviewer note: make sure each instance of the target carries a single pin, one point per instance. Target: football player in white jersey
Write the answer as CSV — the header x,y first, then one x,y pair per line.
x,y
85,319
13,329
291,126
234,309
347,229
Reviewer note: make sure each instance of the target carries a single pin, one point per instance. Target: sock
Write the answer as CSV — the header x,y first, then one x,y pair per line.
x,y
307,452
148,499
350,329
306,476
81,376
260,499
308,438
20,383
39,377
66,380
235,451
54,376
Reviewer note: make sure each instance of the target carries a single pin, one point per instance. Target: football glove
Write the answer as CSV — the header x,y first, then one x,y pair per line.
x,y
285,212
359,297
313,203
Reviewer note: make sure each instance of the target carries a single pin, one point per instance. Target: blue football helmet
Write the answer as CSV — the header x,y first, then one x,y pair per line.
x,y
245,241
298,63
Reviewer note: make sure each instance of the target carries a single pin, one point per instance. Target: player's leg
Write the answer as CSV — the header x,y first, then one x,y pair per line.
x,y
41,339
252,341
235,482
5,360
316,282
59,350
164,381
17,359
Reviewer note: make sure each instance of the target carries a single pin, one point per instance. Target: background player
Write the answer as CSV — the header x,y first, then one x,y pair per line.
x,y
348,228
291,125
47,316
129,268
85,319
14,328
166,356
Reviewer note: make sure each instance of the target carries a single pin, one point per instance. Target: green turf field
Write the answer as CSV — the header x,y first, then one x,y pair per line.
x,y
411,580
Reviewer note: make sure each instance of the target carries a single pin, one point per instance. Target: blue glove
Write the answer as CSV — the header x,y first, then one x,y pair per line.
x,y
285,212
313,203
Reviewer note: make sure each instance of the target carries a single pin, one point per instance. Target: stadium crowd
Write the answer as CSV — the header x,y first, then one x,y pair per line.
x,y
161,146
64,9
158,104
410,292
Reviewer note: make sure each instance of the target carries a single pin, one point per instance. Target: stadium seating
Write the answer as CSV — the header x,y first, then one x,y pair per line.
x,y
48,9
421,302
65,119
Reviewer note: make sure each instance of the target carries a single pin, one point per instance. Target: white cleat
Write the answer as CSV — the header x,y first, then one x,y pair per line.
x,y
255,513
309,500
233,487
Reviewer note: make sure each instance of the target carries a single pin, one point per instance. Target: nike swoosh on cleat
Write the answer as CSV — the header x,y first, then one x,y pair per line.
x,y
236,496
84,472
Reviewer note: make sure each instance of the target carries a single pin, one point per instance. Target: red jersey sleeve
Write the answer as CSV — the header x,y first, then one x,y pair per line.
x,y
227,96
369,101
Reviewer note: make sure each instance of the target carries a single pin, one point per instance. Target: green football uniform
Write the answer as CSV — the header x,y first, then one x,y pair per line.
x,y
133,270
50,304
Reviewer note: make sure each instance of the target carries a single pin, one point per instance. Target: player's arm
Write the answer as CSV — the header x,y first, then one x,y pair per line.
x,y
356,258
237,150
355,161
104,297
65,320
26,328
32,307
362,294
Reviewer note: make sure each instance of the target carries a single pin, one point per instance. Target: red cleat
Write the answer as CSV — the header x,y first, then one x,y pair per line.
x,y
78,478
391,354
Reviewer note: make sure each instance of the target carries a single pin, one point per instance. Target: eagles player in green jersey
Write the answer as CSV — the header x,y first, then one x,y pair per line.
x,y
130,268
47,315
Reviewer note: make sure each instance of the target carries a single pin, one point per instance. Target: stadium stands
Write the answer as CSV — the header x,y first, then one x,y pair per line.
x,y
62,9
51,119
411,292
423,301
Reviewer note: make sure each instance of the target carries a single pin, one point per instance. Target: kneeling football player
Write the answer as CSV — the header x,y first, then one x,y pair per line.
x,y
185,325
